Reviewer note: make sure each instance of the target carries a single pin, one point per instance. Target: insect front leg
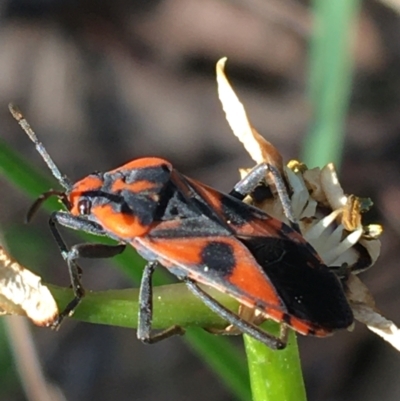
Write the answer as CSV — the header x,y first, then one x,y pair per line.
x,y
244,326
78,251
247,185
146,311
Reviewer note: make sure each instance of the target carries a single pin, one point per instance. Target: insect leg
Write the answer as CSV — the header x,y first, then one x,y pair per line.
x,y
77,251
146,311
244,326
247,185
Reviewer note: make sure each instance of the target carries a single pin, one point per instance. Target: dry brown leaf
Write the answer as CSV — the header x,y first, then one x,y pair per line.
x,y
364,310
258,147
22,293
393,4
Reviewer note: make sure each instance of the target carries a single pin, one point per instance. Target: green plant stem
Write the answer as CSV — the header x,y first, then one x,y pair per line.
x,y
173,304
275,375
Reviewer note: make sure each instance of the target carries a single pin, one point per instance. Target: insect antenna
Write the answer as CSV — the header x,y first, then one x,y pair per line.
x,y
62,179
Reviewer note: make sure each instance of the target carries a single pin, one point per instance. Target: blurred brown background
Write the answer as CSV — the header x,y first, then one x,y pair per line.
x,y
103,82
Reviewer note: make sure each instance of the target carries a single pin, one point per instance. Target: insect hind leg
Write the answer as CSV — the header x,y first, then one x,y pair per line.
x,y
247,185
244,326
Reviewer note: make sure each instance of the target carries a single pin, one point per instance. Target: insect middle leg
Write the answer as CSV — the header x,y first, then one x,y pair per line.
x,y
256,175
144,329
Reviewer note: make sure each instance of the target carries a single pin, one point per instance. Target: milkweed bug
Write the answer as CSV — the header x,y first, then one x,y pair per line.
x,y
203,237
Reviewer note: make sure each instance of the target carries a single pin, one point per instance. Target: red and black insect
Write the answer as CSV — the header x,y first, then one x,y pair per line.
x,y
203,237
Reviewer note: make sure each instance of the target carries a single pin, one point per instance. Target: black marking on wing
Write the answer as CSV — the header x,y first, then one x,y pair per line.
x,y
218,257
308,289
236,212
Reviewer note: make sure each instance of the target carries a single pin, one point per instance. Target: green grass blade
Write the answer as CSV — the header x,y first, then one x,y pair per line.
x,y
330,76
230,363
23,175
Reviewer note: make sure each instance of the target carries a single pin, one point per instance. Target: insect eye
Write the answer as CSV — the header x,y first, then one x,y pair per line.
x,y
84,206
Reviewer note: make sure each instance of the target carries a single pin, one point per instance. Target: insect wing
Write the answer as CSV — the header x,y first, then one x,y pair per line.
x,y
220,262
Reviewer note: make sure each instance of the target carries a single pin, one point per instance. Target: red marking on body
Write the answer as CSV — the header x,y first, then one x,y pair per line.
x,y
124,226
144,162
